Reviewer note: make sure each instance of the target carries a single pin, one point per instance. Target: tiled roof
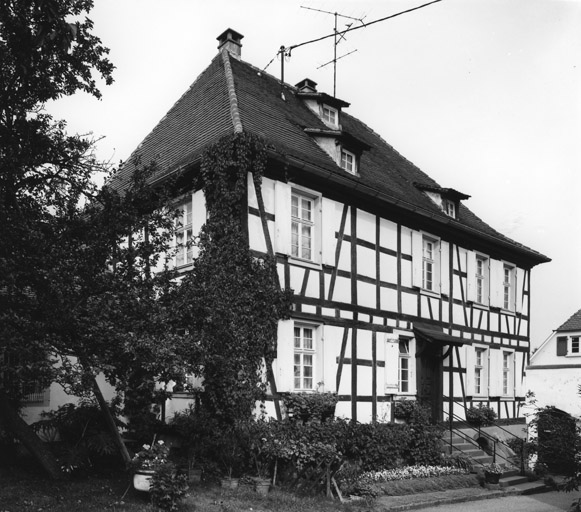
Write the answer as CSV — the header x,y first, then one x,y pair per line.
x,y
573,324
276,113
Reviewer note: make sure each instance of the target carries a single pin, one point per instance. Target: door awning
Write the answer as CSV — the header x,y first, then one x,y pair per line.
x,y
432,334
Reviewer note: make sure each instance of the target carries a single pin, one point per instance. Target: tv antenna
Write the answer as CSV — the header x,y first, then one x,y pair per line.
x,y
339,36
285,51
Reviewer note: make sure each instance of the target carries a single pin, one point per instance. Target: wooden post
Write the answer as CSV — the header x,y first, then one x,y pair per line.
x,y
111,423
22,431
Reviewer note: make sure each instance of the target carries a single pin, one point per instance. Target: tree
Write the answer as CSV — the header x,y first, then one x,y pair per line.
x,y
46,51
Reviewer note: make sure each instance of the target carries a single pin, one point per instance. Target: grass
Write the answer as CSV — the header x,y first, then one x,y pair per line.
x,y
24,490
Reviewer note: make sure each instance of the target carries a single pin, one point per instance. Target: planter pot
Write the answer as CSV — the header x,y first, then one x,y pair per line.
x,y
229,483
492,478
262,486
194,476
142,479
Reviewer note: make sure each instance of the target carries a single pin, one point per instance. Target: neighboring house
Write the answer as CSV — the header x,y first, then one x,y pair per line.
x,y
400,291
554,373
43,398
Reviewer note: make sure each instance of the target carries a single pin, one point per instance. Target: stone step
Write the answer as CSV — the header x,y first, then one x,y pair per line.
x,y
511,481
531,487
463,447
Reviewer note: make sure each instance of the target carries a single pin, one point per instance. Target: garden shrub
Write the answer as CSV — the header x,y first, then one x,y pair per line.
x,y
310,406
168,487
84,438
480,416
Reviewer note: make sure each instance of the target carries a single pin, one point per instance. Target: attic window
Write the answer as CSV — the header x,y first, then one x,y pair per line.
x,y
330,115
449,208
348,161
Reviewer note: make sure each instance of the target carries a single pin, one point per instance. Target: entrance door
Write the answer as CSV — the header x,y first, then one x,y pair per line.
x,y
429,373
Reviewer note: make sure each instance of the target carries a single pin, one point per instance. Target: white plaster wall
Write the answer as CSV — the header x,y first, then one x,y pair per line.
x,y
556,387
58,397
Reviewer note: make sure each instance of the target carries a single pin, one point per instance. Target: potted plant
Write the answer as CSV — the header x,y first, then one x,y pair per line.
x,y
146,462
492,473
262,451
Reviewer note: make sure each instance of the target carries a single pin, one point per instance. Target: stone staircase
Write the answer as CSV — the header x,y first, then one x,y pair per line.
x,y
510,478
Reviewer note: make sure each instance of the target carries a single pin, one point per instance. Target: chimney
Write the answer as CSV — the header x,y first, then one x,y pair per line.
x,y
306,85
230,39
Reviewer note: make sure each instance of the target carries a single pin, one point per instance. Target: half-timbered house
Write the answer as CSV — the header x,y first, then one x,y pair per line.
x,y
400,291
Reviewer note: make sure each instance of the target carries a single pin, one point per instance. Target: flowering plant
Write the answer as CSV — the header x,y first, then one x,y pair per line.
x,y
495,469
151,456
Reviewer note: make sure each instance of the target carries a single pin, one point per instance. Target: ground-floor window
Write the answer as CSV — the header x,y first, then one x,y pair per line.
x,y
304,357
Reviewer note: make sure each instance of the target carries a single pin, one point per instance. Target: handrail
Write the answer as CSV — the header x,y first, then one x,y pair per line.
x,y
454,417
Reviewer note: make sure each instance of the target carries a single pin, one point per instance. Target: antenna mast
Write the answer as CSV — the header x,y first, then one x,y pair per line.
x,y
337,39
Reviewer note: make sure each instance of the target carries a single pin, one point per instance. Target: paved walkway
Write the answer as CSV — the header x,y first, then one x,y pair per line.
x,y
478,499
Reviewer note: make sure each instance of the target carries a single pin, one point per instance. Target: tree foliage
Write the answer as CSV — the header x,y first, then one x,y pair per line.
x,y
232,300
46,51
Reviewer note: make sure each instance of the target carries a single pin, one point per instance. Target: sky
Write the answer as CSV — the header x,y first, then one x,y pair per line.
x,y
482,95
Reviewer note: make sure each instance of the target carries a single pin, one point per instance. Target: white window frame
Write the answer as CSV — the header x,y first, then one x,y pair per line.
x,y
430,264
184,251
330,116
480,371
302,228
482,280
508,287
404,365
304,357
348,161
507,361
450,208
575,345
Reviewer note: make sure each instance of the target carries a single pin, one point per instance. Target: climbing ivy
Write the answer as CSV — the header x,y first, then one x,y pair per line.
x,y
232,300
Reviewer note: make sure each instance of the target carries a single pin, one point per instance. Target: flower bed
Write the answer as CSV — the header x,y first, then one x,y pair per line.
x,y
410,472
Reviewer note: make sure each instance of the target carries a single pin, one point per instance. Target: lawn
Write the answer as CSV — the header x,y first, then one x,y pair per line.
x,y
21,490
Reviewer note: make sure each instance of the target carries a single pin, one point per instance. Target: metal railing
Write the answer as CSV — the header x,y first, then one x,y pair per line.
x,y
456,423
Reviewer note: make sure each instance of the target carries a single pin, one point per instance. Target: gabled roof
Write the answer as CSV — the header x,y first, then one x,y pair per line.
x,y
573,324
231,95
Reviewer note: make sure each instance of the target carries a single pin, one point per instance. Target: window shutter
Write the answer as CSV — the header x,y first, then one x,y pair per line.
x,y
495,372
470,362
417,248
282,217
471,276
519,375
284,368
391,365
519,276
496,280
444,267
327,230
562,345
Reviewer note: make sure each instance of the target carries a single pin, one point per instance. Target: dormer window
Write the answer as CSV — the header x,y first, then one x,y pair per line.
x,y
450,208
330,116
348,161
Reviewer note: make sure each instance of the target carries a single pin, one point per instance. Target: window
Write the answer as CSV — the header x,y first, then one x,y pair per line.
x,y
36,392
404,367
428,264
480,372
508,287
330,115
184,235
302,226
348,161
506,373
481,280
575,345
450,208
304,357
